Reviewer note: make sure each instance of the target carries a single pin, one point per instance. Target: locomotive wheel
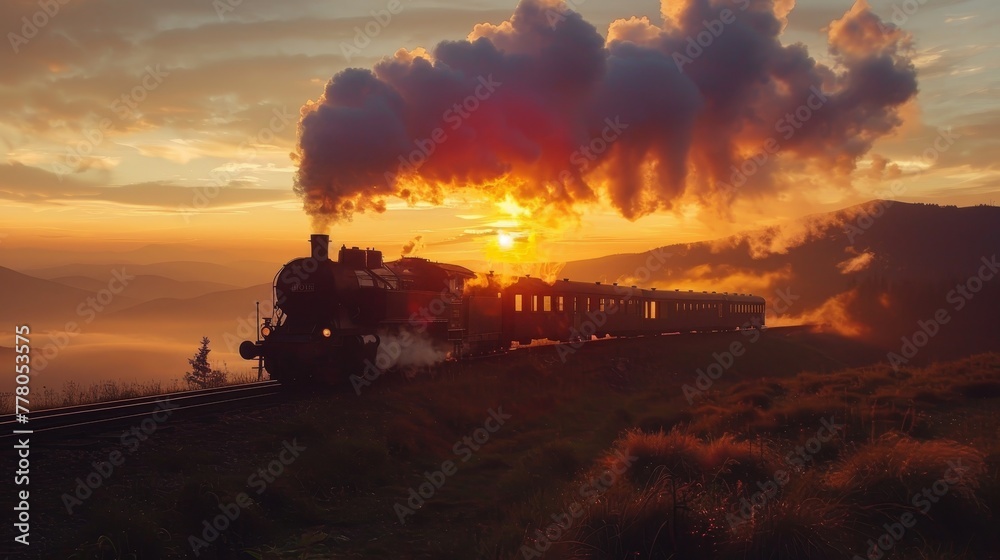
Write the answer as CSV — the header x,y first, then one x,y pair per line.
x,y
286,370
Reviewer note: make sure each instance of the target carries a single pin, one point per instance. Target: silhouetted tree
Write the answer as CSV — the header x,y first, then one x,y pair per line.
x,y
202,374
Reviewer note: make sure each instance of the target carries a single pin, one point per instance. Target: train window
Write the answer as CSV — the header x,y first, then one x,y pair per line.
x,y
601,304
652,309
576,304
364,279
518,302
546,303
534,303
559,304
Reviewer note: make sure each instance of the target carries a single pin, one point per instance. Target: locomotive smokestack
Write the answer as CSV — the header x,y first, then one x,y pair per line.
x,y
320,247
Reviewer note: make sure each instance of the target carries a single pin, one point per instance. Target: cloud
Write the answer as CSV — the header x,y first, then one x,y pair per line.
x,y
543,110
22,183
856,264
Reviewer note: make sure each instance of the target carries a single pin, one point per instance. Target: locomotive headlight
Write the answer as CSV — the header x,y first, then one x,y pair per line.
x,y
265,331
327,333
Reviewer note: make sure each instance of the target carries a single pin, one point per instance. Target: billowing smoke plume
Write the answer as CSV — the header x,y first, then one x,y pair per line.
x,y
706,106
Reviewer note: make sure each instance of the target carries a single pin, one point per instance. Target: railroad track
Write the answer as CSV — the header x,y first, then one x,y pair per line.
x,y
98,418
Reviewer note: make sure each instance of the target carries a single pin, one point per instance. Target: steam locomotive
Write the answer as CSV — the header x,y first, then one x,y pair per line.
x,y
333,319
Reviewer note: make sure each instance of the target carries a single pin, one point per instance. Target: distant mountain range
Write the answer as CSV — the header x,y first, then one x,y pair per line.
x,y
239,274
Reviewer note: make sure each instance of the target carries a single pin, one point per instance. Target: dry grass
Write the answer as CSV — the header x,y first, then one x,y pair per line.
x,y
686,480
895,467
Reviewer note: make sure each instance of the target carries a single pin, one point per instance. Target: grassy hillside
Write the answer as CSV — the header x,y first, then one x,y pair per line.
x,y
491,489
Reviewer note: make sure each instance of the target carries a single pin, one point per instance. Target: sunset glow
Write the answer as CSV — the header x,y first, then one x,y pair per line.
x,y
178,162
572,279
505,240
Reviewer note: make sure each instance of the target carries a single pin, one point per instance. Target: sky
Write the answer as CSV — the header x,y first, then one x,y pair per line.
x,y
124,124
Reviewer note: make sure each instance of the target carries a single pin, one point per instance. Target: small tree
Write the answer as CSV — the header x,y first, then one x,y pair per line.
x,y
202,374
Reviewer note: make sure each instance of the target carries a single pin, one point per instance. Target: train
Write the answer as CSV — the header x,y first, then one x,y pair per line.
x,y
334,319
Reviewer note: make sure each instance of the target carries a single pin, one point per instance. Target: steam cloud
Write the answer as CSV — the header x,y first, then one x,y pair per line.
x,y
412,246
543,109
408,351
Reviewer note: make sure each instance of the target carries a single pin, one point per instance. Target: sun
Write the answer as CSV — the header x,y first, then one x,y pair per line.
x,y
505,240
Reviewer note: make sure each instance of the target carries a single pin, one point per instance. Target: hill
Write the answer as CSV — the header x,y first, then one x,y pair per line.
x,y
146,287
240,274
872,270
45,304
482,459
